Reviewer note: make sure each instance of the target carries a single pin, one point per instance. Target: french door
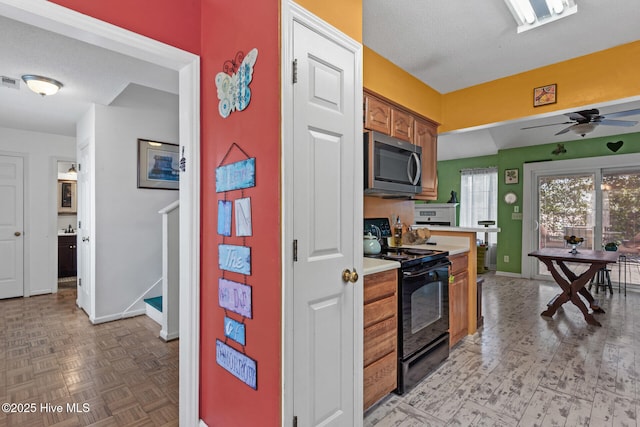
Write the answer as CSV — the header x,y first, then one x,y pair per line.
x,y
597,202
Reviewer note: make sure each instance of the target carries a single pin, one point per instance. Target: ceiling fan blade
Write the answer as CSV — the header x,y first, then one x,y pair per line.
x,y
627,123
565,130
551,124
623,113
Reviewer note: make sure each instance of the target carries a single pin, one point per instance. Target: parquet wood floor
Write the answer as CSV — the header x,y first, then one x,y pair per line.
x,y
57,369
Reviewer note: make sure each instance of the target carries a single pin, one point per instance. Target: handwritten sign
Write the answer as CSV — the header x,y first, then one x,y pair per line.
x,y
236,176
237,364
235,296
235,258
234,330
243,217
224,218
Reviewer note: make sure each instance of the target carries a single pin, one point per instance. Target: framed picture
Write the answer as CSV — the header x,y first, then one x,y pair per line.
x,y
67,200
158,165
511,176
545,95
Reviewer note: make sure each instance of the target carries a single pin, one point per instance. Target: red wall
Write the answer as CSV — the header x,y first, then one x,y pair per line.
x,y
176,23
217,30
229,27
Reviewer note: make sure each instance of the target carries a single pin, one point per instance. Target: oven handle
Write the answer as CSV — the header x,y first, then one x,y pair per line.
x,y
431,270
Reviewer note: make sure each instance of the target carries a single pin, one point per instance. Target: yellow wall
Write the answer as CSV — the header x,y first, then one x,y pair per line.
x,y
390,81
345,15
602,76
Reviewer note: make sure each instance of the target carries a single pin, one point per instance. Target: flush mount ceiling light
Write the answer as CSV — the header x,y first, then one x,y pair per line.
x,y
530,14
42,85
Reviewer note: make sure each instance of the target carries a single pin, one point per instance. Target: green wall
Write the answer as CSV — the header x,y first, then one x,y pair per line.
x,y
510,237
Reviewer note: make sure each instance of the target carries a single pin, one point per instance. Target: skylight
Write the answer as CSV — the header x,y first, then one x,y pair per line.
x,y
530,14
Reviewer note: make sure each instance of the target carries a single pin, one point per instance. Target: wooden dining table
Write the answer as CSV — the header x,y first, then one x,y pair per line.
x,y
573,285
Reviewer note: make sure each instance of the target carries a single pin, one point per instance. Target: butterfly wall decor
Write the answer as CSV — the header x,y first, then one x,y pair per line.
x,y
233,84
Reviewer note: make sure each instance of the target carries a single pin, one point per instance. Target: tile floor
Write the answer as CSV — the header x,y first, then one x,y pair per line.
x,y
118,373
523,370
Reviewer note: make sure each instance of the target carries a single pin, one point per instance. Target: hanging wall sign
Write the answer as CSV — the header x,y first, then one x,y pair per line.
x,y
224,218
235,258
243,217
239,365
236,176
234,330
235,297
233,83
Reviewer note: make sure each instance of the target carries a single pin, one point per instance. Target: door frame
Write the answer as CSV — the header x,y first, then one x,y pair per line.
x,y
531,171
292,12
53,221
70,23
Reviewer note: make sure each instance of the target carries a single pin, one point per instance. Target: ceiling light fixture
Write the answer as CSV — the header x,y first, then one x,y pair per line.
x,y
42,85
530,14
583,128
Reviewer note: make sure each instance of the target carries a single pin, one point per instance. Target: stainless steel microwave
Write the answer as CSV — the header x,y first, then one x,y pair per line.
x,y
392,167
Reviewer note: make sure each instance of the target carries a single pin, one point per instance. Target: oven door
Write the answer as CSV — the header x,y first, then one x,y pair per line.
x,y
423,306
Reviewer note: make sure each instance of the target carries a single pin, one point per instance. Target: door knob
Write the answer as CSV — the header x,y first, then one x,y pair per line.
x,y
17,233
349,276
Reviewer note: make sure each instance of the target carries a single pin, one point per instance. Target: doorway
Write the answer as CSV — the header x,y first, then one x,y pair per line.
x,y
64,21
591,198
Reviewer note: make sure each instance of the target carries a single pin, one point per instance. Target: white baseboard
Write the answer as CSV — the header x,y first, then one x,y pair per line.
x,y
117,316
168,337
154,313
508,274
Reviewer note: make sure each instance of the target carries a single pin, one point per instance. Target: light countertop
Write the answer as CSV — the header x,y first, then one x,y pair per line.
x,y
376,265
62,233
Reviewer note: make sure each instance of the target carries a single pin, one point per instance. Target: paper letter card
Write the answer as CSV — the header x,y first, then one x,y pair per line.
x,y
224,218
243,217
237,364
235,297
236,176
234,330
235,258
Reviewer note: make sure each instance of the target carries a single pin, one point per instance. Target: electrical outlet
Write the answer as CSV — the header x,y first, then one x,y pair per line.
x,y
506,258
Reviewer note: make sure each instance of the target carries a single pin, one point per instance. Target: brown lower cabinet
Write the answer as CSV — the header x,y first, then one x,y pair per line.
x,y
380,335
458,299
67,264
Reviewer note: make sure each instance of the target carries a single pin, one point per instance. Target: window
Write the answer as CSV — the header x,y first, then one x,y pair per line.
x,y
479,198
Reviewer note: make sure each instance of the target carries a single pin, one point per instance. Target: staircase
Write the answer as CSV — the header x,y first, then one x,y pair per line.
x,y
154,309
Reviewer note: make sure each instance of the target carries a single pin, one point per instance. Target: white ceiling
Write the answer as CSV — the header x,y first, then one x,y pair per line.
x,y
89,75
431,39
453,44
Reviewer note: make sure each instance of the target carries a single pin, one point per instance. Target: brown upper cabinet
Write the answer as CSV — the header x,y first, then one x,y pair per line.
x,y
383,115
401,125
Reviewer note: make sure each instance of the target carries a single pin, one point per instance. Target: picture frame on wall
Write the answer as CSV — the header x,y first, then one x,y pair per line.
x,y
158,165
511,176
545,95
67,197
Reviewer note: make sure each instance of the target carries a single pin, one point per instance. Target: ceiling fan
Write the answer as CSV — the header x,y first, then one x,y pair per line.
x,y
586,121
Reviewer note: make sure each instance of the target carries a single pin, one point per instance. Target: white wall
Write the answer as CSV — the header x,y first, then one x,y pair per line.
x,y
41,152
127,228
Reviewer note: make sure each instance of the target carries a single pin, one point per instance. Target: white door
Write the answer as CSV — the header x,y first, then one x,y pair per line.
x,y
84,227
11,227
325,329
